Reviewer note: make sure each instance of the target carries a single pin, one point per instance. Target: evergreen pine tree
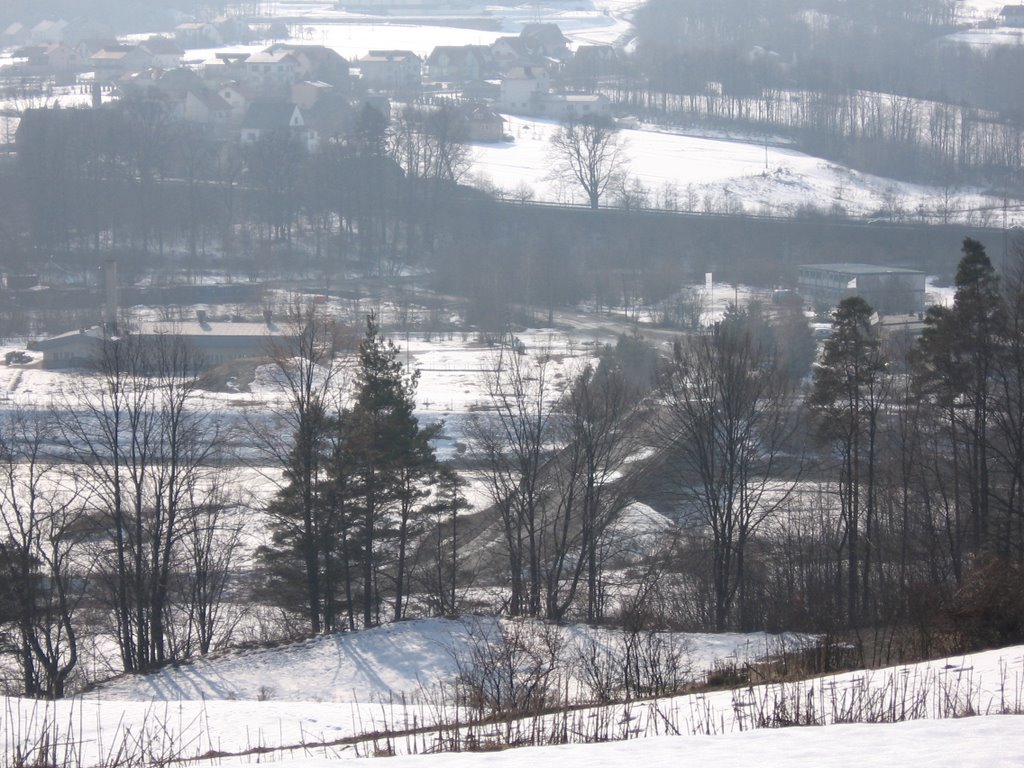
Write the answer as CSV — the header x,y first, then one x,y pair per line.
x,y
958,355
389,463
847,397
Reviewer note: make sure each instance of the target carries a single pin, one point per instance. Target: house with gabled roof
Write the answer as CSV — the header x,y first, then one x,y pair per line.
x,y
1012,15
197,34
545,39
162,84
510,51
163,51
459,63
592,61
330,115
270,117
483,123
271,70
309,92
111,62
51,58
237,97
396,71
316,62
206,108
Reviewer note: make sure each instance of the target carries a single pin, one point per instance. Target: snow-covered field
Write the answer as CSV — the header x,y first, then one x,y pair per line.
x,y
706,172
337,688
697,170
354,33
978,742
410,660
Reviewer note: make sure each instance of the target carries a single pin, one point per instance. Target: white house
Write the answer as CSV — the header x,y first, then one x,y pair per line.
x,y
391,70
523,88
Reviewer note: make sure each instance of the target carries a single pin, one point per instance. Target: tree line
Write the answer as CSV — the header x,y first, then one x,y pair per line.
x,y
872,85
876,491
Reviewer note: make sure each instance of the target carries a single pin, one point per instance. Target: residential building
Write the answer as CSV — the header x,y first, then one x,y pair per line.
x,y
1012,15
459,63
484,124
523,88
273,71
206,108
163,52
393,71
263,118
316,62
198,34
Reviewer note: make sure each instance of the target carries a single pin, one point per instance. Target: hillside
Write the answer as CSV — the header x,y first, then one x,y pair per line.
x,y
410,658
160,719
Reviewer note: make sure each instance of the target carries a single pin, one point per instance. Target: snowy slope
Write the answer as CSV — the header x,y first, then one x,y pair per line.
x,y
977,742
712,170
410,658
90,730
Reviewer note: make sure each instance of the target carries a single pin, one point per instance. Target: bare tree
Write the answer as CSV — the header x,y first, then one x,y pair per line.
x,y
603,430
304,362
512,443
210,543
41,514
144,449
724,427
589,152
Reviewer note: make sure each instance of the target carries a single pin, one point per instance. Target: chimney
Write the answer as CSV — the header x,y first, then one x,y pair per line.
x,y
109,314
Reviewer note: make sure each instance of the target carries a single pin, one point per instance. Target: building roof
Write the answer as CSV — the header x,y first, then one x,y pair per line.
x,y
580,98
108,54
854,268
269,115
479,112
546,32
319,54
459,52
161,46
209,330
267,57
384,55
189,329
95,333
210,100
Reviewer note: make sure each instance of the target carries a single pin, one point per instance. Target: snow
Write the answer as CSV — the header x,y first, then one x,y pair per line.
x,y
353,34
409,660
299,695
988,37
764,178
938,295
978,742
978,9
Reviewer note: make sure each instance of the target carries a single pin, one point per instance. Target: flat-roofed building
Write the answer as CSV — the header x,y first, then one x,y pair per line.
x,y
214,342
889,290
